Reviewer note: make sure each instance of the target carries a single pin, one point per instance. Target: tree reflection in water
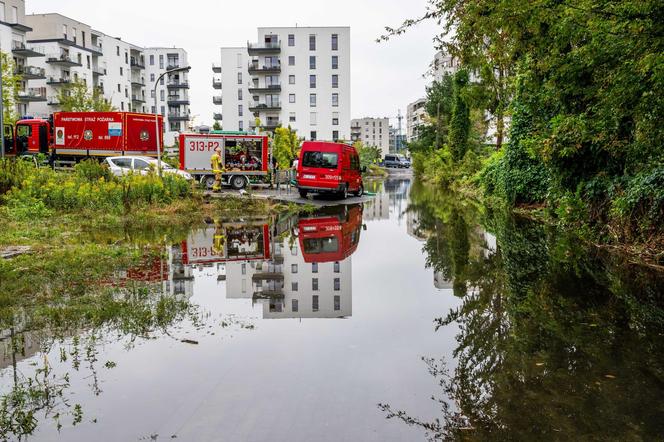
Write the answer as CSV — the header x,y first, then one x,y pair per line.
x,y
557,340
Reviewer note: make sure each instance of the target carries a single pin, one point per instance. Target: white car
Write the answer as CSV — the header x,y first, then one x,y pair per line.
x,y
123,165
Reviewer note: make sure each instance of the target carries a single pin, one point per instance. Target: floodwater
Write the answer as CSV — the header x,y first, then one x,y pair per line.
x,y
414,317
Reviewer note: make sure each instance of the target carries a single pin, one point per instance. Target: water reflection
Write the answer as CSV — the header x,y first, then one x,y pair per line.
x,y
556,340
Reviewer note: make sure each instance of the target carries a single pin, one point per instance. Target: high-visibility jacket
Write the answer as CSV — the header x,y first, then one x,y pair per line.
x,y
215,161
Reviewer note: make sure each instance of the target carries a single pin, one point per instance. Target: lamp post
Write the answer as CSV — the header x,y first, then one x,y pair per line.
x,y
156,113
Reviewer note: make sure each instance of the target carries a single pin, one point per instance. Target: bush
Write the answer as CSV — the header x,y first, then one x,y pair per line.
x,y
92,170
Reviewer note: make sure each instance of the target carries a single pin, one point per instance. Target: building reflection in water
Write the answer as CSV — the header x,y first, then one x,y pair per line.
x,y
296,267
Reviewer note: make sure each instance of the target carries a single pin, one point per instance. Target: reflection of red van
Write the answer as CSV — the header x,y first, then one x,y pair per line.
x,y
329,168
330,236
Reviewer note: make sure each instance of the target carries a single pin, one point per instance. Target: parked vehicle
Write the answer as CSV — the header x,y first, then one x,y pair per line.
x,y
142,165
226,242
244,157
77,135
325,167
396,161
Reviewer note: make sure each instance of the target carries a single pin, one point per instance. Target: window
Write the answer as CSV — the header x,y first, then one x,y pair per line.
x,y
244,268
140,164
88,61
117,51
335,100
314,284
126,57
2,11
312,120
335,62
244,286
122,106
152,96
239,94
119,88
312,81
335,118
83,38
239,78
291,60
24,131
161,61
291,79
125,163
152,60
294,305
337,303
291,98
291,117
126,93
335,42
312,100
152,77
293,268
337,267
314,267
238,61
152,108
161,95
294,286
312,42
73,34
64,31
163,110
240,110
312,62
121,71
291,39
240,125
335,81
324,160
335,135
312,135
161,81
314,303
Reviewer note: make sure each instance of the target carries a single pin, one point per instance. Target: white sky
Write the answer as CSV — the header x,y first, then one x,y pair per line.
x,y
385,76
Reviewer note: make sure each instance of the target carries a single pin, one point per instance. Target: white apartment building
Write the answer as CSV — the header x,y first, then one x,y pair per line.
x,y
71,50
13,30
233,97
443,64
294,76
372,132
416,115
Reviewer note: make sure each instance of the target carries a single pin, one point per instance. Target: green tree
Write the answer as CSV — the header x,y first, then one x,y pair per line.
x,y
216,126
76,97
439,107
285,146
369,155
10,88
460,119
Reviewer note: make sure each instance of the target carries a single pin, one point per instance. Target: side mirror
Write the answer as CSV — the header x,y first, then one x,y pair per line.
x,y
364,169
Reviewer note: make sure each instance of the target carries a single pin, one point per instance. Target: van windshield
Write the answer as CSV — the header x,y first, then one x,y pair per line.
x,y
324,160
321,245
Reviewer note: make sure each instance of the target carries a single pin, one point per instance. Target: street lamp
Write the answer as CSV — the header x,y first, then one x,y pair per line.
x,y
156,114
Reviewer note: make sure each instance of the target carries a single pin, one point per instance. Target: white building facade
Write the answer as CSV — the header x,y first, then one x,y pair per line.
x,y
297,77
416,115
372,132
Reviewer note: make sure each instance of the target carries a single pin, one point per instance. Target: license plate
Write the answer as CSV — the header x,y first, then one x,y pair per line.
x,y
309,177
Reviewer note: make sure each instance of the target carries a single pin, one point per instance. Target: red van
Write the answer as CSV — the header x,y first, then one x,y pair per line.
x,y
329,168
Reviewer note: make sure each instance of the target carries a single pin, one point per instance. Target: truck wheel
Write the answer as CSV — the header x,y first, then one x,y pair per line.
x,y
208,181
303,193
238,182
343,194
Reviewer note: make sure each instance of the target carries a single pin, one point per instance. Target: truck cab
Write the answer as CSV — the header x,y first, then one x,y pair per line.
x,y
29,136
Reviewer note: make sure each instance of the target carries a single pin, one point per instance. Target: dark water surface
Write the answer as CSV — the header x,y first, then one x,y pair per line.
x,y
414,317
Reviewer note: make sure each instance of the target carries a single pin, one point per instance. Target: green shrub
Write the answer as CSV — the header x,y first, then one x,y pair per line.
x,y
92,170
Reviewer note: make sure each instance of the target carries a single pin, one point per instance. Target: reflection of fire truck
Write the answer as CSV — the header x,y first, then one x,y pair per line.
x,y
85,134
243,156
223,242
331,235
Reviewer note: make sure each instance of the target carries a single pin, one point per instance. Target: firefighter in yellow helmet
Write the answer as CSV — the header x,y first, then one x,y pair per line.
x,y
219,239
217,168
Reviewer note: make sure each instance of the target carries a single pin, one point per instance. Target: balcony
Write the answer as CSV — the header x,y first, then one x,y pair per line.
x,y
19,48
31,72
53,81
217,117
32,94
178,85
270,124
256,68
216,99
175,116
216,83
264,107
138,99
137,64
99,70
265,89
53,101
216,68
264,48
96,47
62,60
138,82
175,100
172,65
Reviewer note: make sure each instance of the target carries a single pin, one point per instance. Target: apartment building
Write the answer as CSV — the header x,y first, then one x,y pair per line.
x,y
13,30
397,140
298,77
172,91
416,115
52,51
443,64
372,132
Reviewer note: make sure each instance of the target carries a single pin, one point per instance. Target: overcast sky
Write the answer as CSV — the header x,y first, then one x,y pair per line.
x,y
385,76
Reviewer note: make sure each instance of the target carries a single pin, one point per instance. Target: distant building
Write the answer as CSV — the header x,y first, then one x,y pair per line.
x,y
444,64
415,118
397,141
372,132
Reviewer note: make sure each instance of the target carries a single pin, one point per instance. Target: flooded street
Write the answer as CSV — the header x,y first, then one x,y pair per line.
x,y
413,317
